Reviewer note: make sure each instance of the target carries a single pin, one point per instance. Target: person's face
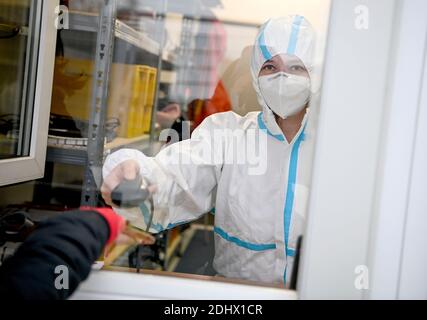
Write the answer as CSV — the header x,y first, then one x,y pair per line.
x,y
284,63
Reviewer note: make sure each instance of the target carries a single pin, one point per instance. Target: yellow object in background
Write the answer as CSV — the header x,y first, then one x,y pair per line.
x,y
144,81
71,91
130,95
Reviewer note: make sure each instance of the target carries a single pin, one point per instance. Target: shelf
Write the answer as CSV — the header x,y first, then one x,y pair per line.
x,y
122,142
168,77
74,156
88,22
136,38
83,21
168,60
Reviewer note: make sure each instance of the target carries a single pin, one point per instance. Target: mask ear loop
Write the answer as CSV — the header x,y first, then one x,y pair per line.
x,y
308,102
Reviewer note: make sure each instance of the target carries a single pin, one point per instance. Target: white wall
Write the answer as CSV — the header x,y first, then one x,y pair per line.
x,y
255,11
258,12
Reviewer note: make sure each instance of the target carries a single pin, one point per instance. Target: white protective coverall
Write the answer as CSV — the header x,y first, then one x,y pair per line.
x,y
259,196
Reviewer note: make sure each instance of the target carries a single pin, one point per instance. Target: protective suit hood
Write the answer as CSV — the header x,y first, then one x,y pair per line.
x,y
292,35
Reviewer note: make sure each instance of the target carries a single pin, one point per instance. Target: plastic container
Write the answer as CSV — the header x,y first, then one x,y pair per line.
x,y
130,96
133,108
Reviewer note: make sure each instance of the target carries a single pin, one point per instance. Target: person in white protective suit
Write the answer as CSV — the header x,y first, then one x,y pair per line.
x,y
259,201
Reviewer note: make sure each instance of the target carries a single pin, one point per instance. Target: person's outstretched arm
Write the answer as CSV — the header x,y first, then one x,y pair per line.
x,y
74,239
184,174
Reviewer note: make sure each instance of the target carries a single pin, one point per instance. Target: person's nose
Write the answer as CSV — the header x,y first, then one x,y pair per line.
x,y
282,74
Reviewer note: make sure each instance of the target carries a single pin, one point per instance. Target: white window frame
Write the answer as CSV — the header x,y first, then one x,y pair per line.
x,y
351,201
413,262
116,285
338,231
22,169
397,257
364,195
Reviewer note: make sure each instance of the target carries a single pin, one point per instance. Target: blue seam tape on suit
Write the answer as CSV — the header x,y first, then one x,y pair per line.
x,y
156,226
244,244
290,192
263,127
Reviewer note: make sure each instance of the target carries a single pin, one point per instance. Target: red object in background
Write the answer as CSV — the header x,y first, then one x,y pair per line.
x,y
200,109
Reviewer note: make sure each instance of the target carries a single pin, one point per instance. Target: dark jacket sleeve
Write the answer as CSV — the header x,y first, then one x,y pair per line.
x,y
55,258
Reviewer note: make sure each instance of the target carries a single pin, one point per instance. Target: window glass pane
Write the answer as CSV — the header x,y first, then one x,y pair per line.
x,y
183,70
18,52
206,70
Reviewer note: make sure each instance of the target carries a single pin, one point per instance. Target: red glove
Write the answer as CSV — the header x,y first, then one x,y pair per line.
x,y
115,222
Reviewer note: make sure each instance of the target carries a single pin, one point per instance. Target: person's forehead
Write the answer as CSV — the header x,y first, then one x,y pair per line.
x,y
284,58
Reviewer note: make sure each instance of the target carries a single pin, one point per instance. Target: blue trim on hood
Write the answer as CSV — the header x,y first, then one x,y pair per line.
x,y
294,35
263,47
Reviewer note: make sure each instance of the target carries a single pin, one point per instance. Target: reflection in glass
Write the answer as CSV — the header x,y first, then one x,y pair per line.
x,y
18,49
174,64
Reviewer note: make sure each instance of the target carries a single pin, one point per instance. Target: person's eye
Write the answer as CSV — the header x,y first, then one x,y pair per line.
x,y
298,68
269,67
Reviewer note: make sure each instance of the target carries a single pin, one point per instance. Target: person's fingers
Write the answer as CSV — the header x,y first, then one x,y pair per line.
x,y
168,116
169,108
124,239
165,119
147,240
129,237
172,108
139,236
126,170
106,194
108,201
130,169
112,180
152,188
105,191
107,250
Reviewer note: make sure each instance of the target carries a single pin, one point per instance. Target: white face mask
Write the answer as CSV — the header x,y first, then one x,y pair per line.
x,y
285,94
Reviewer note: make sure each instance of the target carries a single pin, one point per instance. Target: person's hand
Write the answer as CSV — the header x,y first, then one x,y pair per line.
x,y
168,115
130,236
128,170
120,231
